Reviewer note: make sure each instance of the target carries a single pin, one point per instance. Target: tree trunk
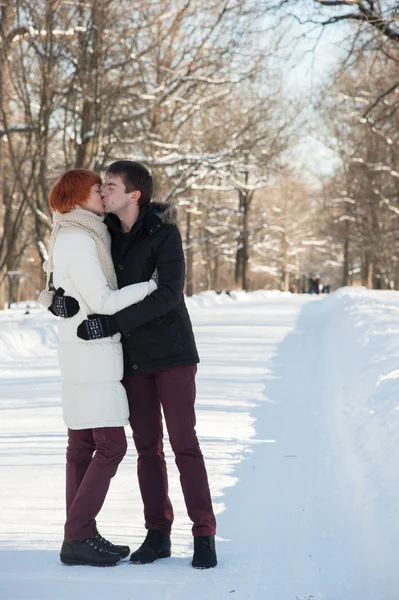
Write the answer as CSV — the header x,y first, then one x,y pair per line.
x,y
215,273
13,284
6,18
91,131
284,282
245,247
189,256
368,271
206,252
239,262
242,255
346,267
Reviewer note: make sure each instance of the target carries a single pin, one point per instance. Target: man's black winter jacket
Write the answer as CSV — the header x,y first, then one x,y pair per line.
x,y
156,333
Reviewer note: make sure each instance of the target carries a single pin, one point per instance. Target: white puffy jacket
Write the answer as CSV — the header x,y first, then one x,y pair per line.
x,y
91,371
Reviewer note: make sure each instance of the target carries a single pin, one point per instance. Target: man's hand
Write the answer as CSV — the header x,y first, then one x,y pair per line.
x,y
64,306
96,327
155,277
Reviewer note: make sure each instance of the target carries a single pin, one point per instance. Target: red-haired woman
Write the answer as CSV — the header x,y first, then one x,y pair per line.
x,y
94,402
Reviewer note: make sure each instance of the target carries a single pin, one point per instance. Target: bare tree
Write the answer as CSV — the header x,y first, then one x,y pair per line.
x,y
364,198
173,86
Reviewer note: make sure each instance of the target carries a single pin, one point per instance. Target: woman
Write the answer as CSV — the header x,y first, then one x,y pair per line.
x,y
94,402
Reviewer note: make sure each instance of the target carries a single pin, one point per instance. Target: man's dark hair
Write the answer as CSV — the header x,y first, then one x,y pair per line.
x,y
135,177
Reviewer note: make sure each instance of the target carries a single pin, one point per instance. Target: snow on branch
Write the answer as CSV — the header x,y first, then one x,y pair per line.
x,y
376,166
176,158
343,199
313,243
371,14
43,217
216,188
17,129
32,32
211,81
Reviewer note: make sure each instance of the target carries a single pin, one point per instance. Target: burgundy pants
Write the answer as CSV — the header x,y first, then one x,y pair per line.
x,y
93,457
174,390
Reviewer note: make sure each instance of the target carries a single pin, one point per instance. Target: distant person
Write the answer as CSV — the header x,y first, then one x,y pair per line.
x,y
312,285
94,401
315,285
318,284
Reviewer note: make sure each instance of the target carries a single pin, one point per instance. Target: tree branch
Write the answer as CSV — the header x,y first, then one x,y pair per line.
x,y
380,97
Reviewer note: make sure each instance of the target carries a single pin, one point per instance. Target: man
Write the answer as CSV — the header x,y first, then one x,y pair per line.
x,y
160,359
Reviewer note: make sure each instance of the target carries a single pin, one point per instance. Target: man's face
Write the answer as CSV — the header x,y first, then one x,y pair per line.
x,y
114,195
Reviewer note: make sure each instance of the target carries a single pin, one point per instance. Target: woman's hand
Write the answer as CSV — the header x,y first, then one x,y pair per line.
x,y
64,306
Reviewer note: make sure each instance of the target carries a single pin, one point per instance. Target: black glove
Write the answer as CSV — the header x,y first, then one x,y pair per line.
x,y
96,327
64,306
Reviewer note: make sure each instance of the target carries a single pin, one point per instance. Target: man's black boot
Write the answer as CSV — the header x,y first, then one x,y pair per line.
x,y
87,552
156,545
123,551
204,552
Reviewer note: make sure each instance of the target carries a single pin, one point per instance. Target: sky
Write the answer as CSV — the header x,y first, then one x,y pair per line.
x,y
307,61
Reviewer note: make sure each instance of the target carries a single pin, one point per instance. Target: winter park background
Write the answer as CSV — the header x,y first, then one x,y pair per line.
x,y
273,125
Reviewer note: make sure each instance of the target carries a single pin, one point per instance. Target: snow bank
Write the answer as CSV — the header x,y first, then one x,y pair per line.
x,y
27,330
211,298
360,331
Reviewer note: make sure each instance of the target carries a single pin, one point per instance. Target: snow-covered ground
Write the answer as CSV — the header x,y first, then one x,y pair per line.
x,y
298,414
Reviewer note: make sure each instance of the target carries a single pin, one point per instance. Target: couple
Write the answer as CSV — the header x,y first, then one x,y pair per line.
x,y
120,279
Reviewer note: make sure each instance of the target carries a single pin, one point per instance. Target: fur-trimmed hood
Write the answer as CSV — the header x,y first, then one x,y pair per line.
x,y
166,211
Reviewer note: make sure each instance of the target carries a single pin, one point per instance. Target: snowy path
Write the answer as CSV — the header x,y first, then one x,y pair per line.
x,y
297,416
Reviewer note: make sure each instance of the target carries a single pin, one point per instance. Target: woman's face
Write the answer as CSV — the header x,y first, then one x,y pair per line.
x,y
94,203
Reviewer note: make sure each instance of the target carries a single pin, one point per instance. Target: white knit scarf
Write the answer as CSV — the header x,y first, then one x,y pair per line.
x,y
94,225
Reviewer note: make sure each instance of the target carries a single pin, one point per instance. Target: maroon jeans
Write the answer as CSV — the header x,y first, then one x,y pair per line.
x,y
93,457
174,390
